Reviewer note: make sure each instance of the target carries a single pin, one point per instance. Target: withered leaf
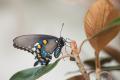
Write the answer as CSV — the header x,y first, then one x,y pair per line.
x,y
78,77
98,16
114,53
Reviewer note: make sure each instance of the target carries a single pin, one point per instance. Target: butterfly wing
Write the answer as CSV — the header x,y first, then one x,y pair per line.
x,y
26,42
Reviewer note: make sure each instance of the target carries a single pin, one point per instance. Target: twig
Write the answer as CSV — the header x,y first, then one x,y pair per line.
x,y
82,69
75,53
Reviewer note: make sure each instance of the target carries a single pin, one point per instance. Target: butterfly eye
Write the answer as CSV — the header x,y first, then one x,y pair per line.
x,y
44,42
39,46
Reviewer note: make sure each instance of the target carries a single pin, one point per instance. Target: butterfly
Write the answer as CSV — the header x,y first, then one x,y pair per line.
x,y
42,46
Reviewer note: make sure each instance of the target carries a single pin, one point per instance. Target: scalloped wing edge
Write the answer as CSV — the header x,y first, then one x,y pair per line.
x,y
22,48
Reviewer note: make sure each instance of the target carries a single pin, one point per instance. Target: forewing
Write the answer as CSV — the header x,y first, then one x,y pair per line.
x,y
26,42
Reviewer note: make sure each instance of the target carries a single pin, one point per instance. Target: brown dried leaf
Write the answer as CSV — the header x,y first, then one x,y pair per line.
x,y
98,16
113,53
79,77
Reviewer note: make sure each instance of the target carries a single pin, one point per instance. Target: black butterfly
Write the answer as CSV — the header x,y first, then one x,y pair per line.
x,y
42,45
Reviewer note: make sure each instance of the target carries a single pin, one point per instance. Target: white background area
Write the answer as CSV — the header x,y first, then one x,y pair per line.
x,y
20,17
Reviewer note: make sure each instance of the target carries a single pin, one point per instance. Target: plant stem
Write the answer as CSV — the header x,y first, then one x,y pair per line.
x,y
98,66
81,68
75,53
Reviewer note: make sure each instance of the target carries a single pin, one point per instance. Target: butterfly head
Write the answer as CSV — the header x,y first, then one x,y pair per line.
x,y
61,42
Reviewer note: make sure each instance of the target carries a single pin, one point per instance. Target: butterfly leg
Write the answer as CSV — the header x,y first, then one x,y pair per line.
x,y
44,60
36,58
47,59
41,59
36,63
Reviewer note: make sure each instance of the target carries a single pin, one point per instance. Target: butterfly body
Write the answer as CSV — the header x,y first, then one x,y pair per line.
x,y
57,51
43,46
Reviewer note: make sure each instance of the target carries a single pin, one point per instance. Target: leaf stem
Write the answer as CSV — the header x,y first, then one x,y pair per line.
x,y
98,66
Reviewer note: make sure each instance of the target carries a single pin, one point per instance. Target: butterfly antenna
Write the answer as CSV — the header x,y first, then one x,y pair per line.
x,y
61,29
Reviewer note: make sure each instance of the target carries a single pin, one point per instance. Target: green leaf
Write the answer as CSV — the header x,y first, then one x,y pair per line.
x,y
115,22
34,73
91,62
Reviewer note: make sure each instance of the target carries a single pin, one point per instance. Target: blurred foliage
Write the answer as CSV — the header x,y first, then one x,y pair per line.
x,y
111,68
114,53
91,62
78,77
